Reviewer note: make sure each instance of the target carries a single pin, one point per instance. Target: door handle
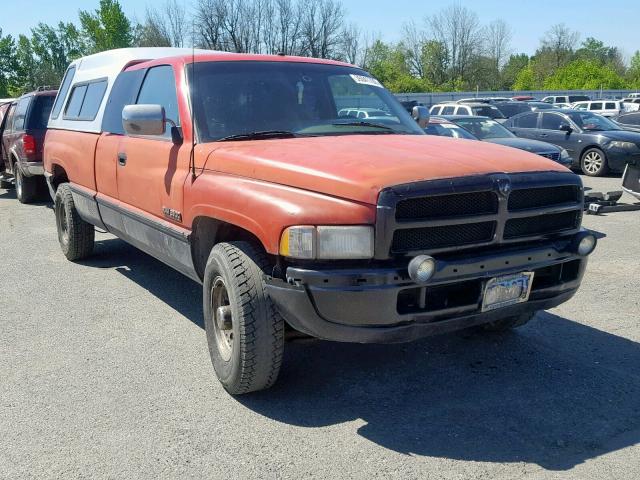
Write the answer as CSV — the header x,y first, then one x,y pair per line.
x,y
122,159
543,135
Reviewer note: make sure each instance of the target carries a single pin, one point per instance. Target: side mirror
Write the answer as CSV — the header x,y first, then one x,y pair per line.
x,y
143,119
421,115
565,127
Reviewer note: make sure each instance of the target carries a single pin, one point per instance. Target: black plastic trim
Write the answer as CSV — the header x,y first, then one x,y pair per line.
x,y
387,225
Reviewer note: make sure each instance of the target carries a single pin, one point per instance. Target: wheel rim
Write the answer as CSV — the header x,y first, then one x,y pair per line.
x,y
222,318
18,184
63,225
592,162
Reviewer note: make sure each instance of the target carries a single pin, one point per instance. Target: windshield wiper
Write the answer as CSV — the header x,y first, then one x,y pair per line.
x,y
364,124
260,135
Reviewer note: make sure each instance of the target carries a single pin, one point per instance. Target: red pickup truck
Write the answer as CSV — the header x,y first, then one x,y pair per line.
x,y
304,198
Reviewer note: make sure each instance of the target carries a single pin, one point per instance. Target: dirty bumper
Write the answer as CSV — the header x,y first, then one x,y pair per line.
x,y
383,305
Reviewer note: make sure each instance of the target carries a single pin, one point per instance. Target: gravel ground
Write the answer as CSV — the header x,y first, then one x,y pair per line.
x,y
104,373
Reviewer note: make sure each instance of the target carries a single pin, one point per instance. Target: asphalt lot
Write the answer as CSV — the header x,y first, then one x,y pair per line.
x,y
104,373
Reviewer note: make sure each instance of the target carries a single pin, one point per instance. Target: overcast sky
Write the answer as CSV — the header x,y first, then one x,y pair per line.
x,y
614,22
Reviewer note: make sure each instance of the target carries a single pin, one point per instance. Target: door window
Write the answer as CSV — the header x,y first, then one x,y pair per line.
x,y
159,88
595,106
552,121
528,120
435,110
448,110
610,106
21,113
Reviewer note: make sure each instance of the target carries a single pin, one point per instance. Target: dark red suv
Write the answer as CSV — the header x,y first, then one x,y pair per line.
x,y
23,129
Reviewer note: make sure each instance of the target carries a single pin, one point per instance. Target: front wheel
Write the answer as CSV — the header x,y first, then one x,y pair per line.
x,y
245,332
76,236
594,163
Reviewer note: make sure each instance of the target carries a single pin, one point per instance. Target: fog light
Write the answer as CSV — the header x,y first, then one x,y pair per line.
x,y
422,268
586,245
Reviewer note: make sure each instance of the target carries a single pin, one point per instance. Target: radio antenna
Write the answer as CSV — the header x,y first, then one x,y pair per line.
x,y
192,157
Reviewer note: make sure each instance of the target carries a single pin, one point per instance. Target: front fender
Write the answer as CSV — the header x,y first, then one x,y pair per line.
x,y
265,209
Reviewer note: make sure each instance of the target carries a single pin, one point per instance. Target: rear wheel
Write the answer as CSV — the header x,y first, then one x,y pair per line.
x,y
245,332
76,236
26,187
509,323
594,162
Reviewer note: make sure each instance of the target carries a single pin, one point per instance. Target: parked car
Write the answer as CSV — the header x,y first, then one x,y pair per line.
x,y
631,104
628,121
444,128
364,113
537,106
484,100
509,109
566,99
23,134
480,109
296,219
606,108
488,130
4,108
595,143
409,104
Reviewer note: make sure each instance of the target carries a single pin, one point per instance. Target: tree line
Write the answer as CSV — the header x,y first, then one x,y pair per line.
x,y
447,51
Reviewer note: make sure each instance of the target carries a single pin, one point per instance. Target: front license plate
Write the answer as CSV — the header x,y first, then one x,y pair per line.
x,y
509,290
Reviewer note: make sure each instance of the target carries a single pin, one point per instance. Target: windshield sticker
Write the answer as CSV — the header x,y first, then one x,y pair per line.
x,y
363,80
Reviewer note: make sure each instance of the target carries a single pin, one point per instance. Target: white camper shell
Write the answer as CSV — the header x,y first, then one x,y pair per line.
x,y
92,77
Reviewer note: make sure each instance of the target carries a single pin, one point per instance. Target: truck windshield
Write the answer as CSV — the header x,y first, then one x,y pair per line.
x,y
237,100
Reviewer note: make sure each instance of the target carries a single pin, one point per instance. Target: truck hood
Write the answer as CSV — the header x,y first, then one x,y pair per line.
x,y
358,167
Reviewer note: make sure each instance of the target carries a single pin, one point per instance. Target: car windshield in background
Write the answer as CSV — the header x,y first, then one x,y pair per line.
x,y
487,111
591,121
483,128
243,99
448,130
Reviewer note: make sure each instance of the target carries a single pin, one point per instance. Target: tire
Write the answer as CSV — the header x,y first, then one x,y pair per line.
x,y
593,162
76,236
246,340
509,323
26,187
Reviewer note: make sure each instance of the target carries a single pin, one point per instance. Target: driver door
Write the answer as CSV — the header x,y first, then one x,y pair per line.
x,y
550,131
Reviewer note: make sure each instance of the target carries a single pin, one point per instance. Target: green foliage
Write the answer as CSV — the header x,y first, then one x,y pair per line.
x,y
8,64
107,28
389,64
512,69
584,75
525,79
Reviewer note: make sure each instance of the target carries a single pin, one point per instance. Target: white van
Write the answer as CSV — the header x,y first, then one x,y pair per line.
x,y
606,108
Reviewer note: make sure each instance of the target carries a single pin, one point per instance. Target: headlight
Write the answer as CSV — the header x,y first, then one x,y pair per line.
x,y
327,242
565,158
623,145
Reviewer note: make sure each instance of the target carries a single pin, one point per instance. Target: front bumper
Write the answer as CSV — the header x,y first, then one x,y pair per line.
x,y
383,305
